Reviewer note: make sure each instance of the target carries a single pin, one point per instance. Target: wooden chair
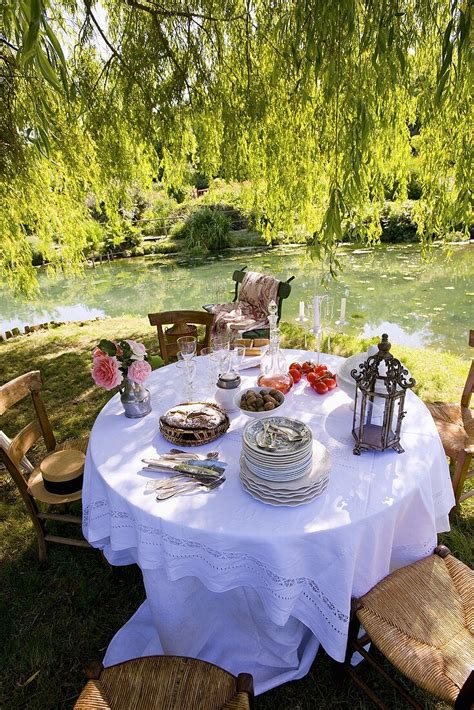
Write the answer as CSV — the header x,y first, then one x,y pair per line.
x,y
11,393
182,323
421,618
455,424
284,290
166,683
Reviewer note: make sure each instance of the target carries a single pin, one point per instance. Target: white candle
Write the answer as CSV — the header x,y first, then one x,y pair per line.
x,y
301,309
317,313
343,309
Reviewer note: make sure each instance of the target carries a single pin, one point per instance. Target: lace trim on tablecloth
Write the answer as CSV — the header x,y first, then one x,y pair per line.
x,y
284,588
281,588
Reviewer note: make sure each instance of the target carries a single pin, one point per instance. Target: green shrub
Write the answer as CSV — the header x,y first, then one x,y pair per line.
x,y
415,142
206,230
414,188
238,218
397,225
121,235
178,230
200,181
177,193
37,258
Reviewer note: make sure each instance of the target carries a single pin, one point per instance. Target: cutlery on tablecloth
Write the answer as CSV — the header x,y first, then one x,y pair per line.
x,y
190,469
178,453
178,479
188,487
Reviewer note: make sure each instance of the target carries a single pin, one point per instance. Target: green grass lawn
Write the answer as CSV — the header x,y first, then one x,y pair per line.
x,y
54,621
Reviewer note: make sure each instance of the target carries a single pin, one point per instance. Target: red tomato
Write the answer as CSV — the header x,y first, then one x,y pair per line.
x,y
312,378
307,367
330,383
296,374
296,366
320,388
320,369
326,373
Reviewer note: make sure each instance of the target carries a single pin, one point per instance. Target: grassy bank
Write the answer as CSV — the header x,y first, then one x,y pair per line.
x,y
54,621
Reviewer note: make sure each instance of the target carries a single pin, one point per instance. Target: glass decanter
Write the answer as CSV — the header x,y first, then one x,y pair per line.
x,y
273,367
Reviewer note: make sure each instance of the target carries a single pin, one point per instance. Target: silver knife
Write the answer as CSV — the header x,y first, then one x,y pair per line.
x,y
189,469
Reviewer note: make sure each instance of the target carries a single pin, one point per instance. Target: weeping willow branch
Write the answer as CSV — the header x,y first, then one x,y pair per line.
x,y
310,103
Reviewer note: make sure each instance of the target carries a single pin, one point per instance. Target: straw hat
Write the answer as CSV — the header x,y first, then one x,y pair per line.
x,y
58,478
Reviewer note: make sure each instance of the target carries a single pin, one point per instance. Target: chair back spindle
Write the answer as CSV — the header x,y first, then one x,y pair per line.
x,y
13,451
182,323
10,394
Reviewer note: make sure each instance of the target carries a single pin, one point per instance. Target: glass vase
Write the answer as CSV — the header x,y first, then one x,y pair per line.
x,y
135,399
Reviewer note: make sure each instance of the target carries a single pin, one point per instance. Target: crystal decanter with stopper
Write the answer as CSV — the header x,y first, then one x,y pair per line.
x,y
273,367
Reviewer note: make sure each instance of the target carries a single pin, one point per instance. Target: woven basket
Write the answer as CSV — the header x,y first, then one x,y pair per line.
x,y
194,437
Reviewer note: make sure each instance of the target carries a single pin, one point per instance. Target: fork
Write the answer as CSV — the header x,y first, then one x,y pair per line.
x,y
198,457
185,487
177,480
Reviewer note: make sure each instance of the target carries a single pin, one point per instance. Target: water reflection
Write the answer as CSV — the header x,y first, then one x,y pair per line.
x,y
418,302
398,334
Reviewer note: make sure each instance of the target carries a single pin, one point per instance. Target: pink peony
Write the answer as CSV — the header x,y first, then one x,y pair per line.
x,y
98,353
139,371
106,372
138,350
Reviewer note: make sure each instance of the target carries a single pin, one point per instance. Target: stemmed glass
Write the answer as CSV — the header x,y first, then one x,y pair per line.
x,y
237,355
210,368
315,313
303,321
187,345
220,348
189,377
327,317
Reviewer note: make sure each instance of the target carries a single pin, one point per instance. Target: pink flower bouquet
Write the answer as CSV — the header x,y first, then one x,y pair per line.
x,y
113,361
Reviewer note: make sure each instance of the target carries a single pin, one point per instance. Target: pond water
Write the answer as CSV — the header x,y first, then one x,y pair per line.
x,y
419,303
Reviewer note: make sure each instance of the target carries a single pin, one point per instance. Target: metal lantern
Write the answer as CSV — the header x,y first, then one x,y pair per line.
x,y
381,383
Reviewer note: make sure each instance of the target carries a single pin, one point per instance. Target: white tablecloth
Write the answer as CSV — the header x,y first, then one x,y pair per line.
x,y
245,585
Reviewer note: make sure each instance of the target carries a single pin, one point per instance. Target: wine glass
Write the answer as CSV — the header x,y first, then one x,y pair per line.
x,y
210,367
220,348
237,355
303,321
327,317
187,345
189,379
315,308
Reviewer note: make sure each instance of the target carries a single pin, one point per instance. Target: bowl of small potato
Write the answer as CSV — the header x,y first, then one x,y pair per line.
x,y
259,402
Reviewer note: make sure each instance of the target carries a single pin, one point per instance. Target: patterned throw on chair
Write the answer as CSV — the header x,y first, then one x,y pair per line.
x,y
251,310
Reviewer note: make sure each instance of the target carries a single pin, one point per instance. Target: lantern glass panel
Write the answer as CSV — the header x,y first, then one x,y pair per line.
x,y
381,383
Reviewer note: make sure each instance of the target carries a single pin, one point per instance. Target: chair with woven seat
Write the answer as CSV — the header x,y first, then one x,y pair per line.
x,y
455,424
421,618
182,323
165,683
31,487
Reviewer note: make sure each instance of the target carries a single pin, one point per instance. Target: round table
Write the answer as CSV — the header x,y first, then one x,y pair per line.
x,y
248,586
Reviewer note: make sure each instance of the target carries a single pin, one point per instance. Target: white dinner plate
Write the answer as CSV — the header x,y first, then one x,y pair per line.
x,y
283,492
281,501
285,447
321,466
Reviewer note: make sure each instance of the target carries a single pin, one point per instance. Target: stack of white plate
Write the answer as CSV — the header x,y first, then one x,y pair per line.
x,y
288,468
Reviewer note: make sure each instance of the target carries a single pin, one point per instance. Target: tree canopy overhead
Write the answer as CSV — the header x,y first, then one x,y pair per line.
x,y
308,101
